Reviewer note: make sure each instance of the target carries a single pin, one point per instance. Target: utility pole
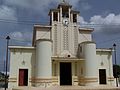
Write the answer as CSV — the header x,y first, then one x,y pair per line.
x,y
114,46
6,66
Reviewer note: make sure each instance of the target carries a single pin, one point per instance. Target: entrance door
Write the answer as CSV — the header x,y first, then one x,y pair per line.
x,y
23,77
102,76
65,73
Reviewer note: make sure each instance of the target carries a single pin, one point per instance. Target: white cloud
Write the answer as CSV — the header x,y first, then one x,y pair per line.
x,y
97,19
16,35
43,5
109,19
21,36
7,13
108,25
81,20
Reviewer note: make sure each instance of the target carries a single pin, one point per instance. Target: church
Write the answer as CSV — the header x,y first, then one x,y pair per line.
x,y
62,53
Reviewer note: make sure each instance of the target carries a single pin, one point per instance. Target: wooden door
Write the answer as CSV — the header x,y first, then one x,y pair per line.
x,y
23,77
102,76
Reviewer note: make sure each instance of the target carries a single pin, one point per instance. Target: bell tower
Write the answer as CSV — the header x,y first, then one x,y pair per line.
x,y
64,31
63,11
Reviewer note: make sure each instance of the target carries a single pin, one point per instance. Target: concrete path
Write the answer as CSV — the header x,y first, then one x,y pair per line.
x,y
68,88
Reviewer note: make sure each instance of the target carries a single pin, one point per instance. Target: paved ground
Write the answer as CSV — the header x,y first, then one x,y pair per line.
x,y
68,88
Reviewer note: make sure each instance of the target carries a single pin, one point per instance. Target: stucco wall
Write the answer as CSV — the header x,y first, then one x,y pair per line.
x,y
84,36
105,62
42,34
21,58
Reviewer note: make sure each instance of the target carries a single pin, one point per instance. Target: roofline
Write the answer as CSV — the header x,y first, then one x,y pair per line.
x,y
20,47
42,26
87,42
86,29
104,50
55,10
73,11
34,30
89,29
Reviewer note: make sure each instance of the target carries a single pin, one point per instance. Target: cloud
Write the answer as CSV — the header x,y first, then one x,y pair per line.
x,y
81,20
21,36
36,3
109,19
74,2
39,5
30,4
85,6
7,13
17,35
109,24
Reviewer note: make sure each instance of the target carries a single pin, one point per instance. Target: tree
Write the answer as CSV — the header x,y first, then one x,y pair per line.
x,y
116,71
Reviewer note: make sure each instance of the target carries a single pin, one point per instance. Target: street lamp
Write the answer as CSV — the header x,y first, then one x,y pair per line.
x,y
114,46
6,80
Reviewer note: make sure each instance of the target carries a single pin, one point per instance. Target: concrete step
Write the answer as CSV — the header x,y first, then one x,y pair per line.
x,y
68,88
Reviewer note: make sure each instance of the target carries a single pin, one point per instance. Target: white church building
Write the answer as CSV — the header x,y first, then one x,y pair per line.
x,y
62,53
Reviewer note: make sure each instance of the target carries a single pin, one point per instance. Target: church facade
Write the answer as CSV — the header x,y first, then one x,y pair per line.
x,y
62,53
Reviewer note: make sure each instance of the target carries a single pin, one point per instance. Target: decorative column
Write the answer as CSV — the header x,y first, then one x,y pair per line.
x,y
60,14
91,63
69,14
52,16
43,73
58,17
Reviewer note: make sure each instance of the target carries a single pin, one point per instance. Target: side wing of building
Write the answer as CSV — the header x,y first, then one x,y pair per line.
x,y
105,66
22,65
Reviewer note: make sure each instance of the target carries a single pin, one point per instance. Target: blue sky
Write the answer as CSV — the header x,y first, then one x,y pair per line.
x,y
17,18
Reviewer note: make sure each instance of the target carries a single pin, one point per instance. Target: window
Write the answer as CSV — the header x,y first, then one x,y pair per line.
x,y
55,16
65,12
74,17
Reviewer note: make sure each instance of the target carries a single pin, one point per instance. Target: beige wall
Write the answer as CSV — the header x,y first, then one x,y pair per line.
x,y
21,58
84,36
65,42
42,34
104,58
19,54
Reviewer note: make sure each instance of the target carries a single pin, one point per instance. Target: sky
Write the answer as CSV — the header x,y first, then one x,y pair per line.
x,y
17,18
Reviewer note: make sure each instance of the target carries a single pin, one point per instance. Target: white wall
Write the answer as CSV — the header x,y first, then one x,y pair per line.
x,y
42,34
84,36
21,58
104,58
